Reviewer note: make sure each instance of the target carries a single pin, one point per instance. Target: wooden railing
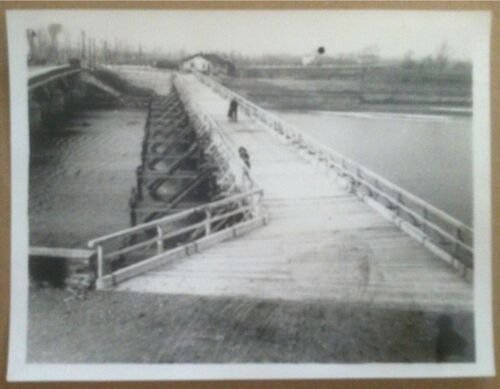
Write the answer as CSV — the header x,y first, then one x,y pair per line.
x,y
152,244
131,251
221,147
446,236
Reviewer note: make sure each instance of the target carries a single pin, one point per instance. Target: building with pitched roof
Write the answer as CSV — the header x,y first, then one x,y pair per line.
x,y
208,63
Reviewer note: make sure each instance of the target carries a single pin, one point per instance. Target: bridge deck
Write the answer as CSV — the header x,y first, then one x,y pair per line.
x,y
321,242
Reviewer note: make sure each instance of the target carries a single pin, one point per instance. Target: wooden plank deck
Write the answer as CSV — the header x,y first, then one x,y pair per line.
x,y
321,242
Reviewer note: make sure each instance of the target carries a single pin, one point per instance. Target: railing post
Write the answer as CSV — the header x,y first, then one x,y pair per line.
x,y
159,242
208,216
256,201
458,236
260,199
100,262
140,180
403,204
399,199
425,216
343,164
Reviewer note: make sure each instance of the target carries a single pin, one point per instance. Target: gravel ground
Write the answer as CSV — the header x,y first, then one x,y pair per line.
x,y
130,327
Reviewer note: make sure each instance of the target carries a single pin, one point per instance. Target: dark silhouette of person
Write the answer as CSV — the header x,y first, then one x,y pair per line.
x,y
233,110
244,156
450,345
132,202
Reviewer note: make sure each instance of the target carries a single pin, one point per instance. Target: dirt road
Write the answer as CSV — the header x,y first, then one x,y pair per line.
x,y
131,327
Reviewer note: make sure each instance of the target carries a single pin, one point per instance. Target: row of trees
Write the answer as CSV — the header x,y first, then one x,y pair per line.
x,y
442,60
439,62
45,45
55,45
369,54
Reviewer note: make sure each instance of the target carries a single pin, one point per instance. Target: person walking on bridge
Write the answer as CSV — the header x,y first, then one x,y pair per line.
x,y
233,110
244,156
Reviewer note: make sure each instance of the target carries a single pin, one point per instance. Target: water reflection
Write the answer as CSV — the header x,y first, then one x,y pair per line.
x,y
430,156
81,175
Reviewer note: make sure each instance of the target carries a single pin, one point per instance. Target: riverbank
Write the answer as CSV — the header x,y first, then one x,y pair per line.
x,y
351,94
130,327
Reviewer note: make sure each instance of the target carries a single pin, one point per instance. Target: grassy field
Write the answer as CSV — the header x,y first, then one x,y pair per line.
x,y
130,327
372,91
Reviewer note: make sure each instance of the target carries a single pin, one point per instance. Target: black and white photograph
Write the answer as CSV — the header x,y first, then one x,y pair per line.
x,y
239,194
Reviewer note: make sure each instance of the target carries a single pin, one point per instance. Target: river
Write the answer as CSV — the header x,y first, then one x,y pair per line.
x,y
81,175
430,156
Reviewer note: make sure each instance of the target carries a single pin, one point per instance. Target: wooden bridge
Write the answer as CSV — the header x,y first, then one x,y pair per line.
x,y
303,223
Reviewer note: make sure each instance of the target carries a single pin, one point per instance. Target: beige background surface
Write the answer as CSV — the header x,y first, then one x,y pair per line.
x,y
486,383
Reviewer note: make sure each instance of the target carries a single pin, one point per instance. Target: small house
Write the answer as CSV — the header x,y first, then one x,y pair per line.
x,y
209,64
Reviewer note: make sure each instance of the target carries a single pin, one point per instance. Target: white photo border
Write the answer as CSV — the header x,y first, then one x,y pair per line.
x,y
20,370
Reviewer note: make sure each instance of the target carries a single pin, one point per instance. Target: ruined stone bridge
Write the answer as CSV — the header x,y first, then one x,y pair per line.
x,y
56,89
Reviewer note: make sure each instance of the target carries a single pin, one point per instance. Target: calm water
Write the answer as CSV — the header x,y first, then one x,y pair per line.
x,y
81,176
430,156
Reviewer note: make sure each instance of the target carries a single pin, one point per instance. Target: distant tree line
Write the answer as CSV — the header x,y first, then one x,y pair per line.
x,y
53,44
440,62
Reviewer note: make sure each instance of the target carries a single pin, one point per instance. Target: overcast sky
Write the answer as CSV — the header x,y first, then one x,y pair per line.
x,y
263,32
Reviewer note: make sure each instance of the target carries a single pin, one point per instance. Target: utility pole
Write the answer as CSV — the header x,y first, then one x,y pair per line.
x,y
83,48
67,46
117,49
105,52
82,54
89,54
31,41
94,45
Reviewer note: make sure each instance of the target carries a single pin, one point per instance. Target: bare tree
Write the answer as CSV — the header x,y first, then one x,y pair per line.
x,y
443,56
54,30
31,35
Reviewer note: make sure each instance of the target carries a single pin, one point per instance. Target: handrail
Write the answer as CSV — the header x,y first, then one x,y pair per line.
x,y
222,143
244,206
209,81
181,226
173,217
448,229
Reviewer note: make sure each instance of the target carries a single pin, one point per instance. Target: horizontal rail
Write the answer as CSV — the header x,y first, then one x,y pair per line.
x,y
174,217
416,215
314,142
220,142
130,248
139,241
148,242
446,231
187,249
57,252
273,119
151,241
